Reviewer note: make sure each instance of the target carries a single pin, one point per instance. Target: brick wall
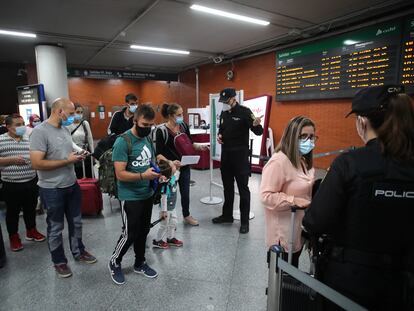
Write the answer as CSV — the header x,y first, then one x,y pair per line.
x,y
110,93
257,76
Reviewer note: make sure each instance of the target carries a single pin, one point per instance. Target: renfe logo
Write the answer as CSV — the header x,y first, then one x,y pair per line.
x,y
394,194
387,30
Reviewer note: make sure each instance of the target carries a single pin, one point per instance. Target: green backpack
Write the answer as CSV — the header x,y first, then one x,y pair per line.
x,y
107,177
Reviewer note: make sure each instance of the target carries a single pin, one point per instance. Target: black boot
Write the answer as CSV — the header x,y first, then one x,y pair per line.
x,y
244,228
222,220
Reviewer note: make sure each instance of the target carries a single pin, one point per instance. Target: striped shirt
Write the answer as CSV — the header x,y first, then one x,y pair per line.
x,y
12,148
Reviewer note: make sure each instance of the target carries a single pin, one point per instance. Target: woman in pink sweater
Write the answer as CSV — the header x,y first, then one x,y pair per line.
x,y
287,180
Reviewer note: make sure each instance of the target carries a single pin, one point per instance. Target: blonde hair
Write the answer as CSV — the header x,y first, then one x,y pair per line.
x,y
289,143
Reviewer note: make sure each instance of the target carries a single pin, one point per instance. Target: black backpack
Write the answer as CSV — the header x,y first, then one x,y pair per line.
x,y
104,144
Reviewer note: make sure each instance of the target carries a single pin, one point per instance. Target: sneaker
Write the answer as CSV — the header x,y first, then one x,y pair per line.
x,y
63,270
223,220
34,235
15,243
190,220
86,257
116,273
244,228
160,244
174,242
145,270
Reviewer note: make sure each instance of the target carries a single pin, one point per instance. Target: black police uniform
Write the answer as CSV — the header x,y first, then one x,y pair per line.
x,y
234,128
366,204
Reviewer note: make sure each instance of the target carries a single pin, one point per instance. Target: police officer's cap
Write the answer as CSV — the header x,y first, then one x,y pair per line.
x,y
226,94
373,98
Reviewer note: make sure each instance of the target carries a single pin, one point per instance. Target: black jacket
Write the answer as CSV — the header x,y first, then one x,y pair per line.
x,y
366,203
235,125
119,124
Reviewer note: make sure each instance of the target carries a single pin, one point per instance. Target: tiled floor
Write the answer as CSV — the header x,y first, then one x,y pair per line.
x,y
217,269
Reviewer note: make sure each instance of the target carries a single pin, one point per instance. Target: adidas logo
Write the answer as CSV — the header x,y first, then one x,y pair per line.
x,y
143,159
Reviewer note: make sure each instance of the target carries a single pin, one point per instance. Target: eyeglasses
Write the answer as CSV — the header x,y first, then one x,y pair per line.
x,y
305,137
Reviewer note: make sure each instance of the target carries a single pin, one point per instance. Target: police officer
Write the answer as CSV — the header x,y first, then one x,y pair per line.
x,y
235,123
366,205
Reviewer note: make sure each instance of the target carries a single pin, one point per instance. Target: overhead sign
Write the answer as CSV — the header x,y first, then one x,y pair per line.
x,y
120,74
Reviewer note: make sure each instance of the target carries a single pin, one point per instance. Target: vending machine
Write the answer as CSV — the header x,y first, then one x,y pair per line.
x,y
32,100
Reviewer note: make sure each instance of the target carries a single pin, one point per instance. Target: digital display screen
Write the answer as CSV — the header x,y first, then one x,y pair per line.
x,y
340,66
407,57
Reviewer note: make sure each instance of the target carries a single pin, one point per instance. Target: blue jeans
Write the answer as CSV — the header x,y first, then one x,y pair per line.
x,y
59,202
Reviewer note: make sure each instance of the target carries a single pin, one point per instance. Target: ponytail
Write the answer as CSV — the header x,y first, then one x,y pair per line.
x,y
396,133
169,110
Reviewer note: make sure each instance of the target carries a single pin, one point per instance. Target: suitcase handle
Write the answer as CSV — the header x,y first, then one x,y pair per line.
x,y
92,168
293,210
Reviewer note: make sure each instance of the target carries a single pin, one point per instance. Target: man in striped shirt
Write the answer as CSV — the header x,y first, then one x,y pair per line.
x,y
20,188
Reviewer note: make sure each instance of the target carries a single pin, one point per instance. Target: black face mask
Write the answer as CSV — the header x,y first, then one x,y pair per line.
x,y
142,131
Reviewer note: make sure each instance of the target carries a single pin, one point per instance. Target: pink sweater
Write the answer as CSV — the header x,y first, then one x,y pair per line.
x,y
281,184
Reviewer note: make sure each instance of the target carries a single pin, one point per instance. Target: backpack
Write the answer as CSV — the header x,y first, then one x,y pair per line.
x,y
164,131
107,176
103,145
182,142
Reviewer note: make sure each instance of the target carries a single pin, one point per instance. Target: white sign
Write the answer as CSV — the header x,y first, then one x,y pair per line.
x,y
258,106
27,110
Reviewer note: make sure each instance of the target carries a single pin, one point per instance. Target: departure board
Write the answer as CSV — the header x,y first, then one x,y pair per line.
x,y
407,57
338,67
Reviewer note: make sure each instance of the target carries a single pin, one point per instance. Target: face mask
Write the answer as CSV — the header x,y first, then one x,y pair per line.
x,y
226,107
142,131
20,130
179,120
306,146
68,121
132,108
36,123
78,116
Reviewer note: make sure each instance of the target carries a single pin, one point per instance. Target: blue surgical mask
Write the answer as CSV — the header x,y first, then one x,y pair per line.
x,y
132,108
306,146
36,123
20,130
179,120
78,116
68,121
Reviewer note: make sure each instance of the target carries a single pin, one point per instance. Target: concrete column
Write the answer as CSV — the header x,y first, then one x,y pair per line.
x,y
52,71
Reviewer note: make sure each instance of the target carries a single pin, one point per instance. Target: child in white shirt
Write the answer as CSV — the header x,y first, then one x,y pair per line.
x,y
167,188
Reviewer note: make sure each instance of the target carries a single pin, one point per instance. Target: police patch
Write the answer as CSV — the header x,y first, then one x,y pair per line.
x,y
397,193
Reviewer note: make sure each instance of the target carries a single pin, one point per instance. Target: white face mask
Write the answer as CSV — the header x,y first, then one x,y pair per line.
x,y
226,107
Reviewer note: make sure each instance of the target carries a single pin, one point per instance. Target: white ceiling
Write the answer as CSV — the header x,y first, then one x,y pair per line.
x,y
89,30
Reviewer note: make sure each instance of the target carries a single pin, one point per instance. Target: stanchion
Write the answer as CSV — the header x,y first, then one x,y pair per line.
x,y
210,200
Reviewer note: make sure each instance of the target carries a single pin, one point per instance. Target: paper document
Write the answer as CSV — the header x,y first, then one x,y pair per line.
x,y
189,160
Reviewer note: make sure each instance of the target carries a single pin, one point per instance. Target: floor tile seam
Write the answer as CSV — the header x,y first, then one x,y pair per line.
x,y
232,274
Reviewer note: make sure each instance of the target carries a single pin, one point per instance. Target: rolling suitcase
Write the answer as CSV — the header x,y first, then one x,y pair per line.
x,y
294,294
2,251
92,203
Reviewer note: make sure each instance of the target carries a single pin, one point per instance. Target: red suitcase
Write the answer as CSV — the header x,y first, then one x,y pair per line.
x,y
92,203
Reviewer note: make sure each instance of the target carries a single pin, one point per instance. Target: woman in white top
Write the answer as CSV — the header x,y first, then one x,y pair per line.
x,y
82,137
